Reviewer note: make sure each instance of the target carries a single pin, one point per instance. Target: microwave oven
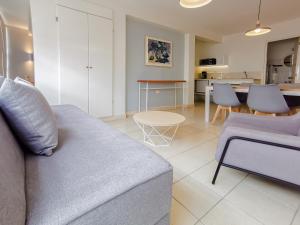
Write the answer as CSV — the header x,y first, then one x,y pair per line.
x,y
208,62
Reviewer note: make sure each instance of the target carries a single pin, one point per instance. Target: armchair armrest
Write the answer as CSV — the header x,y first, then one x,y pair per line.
x,y
283,124
280,140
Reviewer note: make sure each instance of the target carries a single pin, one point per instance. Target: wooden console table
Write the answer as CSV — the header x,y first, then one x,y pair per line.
x,y
147,88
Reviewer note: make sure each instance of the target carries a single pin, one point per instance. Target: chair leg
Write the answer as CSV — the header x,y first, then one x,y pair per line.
x,y
224,113
216,114
216,173
238,109
292,111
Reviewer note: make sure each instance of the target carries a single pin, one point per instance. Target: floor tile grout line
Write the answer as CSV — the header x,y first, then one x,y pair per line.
x,y
294,217
196,217
222,198
191,148
272,198
194,171
253,217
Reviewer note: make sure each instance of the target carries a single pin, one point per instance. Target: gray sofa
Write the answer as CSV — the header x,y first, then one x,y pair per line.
x,y
97,176
263,145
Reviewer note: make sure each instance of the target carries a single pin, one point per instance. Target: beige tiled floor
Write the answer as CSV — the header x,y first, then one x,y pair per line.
x,y
236,199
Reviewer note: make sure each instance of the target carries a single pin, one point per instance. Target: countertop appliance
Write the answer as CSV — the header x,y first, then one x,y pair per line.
x,y
204,75
208,62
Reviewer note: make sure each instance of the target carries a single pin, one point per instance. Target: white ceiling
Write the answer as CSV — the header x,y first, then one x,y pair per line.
x,y
219,18
15,12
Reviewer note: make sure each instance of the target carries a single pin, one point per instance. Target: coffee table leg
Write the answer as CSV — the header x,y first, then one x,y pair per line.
x,y
153,131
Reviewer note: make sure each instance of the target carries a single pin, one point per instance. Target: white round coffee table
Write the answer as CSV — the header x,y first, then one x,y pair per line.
x,y
159,128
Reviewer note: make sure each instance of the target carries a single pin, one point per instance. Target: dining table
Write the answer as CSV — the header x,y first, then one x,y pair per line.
x,y
286,89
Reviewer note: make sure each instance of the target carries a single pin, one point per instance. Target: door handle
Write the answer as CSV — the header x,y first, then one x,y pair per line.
x,y
89,67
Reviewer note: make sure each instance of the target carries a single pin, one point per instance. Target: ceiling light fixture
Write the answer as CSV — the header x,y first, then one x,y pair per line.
x,y
193,3
258,30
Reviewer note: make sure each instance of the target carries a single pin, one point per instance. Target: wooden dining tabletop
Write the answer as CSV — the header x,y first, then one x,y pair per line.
x,y
283,88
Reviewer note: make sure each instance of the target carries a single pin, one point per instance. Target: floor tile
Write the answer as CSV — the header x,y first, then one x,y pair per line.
x,y
225,214
184,143
259,205
286,195
194,196
196,157
226,181
180,215
297,219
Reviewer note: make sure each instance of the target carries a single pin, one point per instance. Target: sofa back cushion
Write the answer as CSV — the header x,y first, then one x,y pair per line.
x,y
30,116
12,178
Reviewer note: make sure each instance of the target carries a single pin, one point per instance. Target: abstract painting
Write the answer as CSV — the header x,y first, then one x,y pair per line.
x,y
158,52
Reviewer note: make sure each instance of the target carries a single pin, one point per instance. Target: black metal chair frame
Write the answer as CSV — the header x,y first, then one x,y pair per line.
x,y
225,150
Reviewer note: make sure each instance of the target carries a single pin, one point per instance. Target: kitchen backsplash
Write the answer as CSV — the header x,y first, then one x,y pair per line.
x,y
234,75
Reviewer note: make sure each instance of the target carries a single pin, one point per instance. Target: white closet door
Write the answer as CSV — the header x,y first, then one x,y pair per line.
x,y
73,45
100,74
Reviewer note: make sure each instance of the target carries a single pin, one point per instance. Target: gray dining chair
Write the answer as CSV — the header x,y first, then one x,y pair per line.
x,y
225,97
266,100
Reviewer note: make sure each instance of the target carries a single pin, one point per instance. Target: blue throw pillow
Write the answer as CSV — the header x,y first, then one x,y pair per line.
x,y
30,116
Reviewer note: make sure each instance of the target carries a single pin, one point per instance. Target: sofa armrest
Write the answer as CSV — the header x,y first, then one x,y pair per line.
x,y
285,124
261,137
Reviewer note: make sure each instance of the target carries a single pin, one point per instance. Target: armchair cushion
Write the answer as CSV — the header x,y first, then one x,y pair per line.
x,y
277,162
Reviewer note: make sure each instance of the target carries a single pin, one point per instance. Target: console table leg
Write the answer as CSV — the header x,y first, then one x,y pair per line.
x,y
175,95
147,92
139,97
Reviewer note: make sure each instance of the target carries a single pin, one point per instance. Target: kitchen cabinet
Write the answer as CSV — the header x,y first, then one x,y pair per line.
x,y
200,84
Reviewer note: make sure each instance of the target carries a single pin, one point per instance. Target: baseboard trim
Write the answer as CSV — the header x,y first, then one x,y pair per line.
x,y
111,118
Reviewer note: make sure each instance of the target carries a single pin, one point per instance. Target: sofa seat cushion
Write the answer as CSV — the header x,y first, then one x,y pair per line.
x,y
97,176
12,178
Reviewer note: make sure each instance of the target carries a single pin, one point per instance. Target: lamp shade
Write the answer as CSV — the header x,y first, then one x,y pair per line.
x,y
193,3
258,30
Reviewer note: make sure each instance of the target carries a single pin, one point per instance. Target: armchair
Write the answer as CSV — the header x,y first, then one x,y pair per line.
x,y
265,146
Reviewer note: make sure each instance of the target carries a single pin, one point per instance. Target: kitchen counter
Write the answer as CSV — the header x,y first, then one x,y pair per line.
x,y
244,80
201,84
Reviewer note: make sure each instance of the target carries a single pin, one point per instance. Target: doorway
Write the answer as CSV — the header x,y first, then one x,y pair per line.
x,y
282,66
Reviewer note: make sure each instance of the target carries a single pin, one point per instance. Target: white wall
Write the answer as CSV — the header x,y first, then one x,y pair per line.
x,y
18,53
45,46
248,53
137,70
43,13
44,28
189,59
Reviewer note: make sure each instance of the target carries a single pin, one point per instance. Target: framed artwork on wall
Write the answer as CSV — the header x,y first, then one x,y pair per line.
x,y
158,52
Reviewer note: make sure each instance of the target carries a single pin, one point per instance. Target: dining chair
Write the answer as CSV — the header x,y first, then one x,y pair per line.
x,y
266,100
225,97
